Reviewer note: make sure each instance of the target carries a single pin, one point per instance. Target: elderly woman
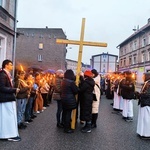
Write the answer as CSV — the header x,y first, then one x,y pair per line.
x,y
143,125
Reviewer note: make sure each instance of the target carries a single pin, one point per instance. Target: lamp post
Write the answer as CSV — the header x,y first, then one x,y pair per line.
x,y
14,38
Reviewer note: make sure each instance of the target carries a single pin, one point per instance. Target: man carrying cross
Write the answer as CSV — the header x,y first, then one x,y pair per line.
x,y
80,43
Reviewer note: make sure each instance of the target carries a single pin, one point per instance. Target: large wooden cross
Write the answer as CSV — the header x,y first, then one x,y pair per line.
x,y
80,43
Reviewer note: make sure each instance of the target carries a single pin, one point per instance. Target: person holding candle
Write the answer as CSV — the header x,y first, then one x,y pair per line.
x,y
22,97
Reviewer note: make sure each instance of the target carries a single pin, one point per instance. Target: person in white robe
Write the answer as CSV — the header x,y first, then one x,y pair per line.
x,y
118,100
127,92
143,124
8,114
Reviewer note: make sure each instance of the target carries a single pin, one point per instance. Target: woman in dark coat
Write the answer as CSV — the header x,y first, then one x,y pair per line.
x,y
68,92
86,89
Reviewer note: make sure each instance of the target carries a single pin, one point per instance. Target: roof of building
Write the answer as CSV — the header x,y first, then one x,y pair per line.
x,y
70,60
139,31
105,54
41,30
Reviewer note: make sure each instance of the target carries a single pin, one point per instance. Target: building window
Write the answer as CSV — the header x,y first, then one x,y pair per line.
x,y
2,48
130,60
121,63
124,64
149,56
134,60
32,34
121,52
125,50
41,36
104,56
149,39
143,57
144,42
135,45
40,46
40,57
131,47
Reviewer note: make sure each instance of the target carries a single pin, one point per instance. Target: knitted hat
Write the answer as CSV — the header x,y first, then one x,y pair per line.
x,y
59,71
88,73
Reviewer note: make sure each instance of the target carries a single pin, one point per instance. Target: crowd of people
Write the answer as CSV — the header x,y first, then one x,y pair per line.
x,y
28,94
121,88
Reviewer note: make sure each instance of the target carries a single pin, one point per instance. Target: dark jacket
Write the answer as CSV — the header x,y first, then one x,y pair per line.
x,y
7,92
144,96
127,90
24,91
57,88
68,92
86,90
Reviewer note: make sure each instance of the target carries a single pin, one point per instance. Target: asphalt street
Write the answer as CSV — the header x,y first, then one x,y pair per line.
x,y
112,133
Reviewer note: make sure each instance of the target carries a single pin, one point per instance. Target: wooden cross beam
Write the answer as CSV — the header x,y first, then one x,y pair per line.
x,y
80,43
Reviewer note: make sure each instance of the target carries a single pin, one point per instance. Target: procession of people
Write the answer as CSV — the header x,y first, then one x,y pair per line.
x,y
122,85
29,94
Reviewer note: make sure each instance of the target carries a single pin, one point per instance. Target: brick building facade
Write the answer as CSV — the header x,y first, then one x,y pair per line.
x,y
37,47
134,52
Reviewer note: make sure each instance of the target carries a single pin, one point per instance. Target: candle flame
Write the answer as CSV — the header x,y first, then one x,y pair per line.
x,y
21,68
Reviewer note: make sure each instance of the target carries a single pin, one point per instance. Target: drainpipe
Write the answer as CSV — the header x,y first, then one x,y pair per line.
x,y
14,39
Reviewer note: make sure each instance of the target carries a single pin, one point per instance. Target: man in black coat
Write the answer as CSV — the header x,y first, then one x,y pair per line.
x,y
128,93
8,121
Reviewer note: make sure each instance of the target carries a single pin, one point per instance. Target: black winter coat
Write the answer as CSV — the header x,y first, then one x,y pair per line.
x,y
127,90
144,99
7,92
68,92
144,96
86,90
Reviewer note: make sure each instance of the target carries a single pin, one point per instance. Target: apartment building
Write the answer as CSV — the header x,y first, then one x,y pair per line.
x,y
72,64
134,52
7,29
104,63
37,47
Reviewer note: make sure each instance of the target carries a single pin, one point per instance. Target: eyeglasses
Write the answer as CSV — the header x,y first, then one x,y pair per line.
x,y
10,64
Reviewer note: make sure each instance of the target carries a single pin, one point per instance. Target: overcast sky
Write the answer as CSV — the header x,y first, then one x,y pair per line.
x,y
109,21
